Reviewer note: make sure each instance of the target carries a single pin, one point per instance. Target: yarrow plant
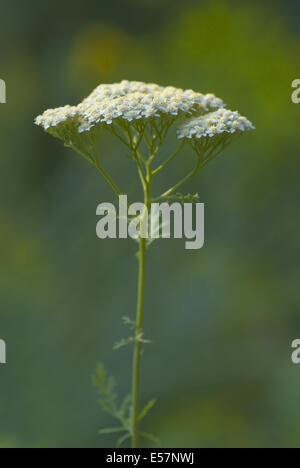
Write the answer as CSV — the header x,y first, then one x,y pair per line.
x,y
140,115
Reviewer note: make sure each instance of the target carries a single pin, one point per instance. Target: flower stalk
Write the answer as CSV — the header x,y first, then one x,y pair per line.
x,y
138,344
140,311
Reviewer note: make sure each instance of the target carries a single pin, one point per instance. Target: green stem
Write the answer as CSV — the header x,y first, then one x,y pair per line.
x,y
90,159
137,349
108,178
197,168
183,181
162,166
139,322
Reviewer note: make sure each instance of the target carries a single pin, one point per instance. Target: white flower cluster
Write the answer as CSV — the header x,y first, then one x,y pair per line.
x,y
135,100
54,117
130,101
215,123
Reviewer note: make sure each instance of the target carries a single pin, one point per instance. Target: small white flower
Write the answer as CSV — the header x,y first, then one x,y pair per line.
x,y
55,117
215,123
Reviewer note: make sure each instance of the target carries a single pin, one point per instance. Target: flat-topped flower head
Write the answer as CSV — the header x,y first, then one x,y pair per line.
x,y
216,123
128,101
131,101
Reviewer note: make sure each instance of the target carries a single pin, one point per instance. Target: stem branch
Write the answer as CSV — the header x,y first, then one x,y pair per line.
x,y
162,166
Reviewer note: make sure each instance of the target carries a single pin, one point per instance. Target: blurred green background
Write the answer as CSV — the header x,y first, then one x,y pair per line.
x,y
221,319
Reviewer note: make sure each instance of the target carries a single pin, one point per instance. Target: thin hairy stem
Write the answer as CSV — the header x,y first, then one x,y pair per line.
x,y
180,183
89,157
201,163
86,156
170,159
139,316
137,349
108,178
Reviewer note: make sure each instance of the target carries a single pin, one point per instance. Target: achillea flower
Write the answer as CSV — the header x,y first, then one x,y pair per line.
x,y
140,116
215,123
135,101
130,101
56,117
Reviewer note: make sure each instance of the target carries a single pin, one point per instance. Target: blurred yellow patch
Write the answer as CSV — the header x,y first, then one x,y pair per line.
x,y
103,52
